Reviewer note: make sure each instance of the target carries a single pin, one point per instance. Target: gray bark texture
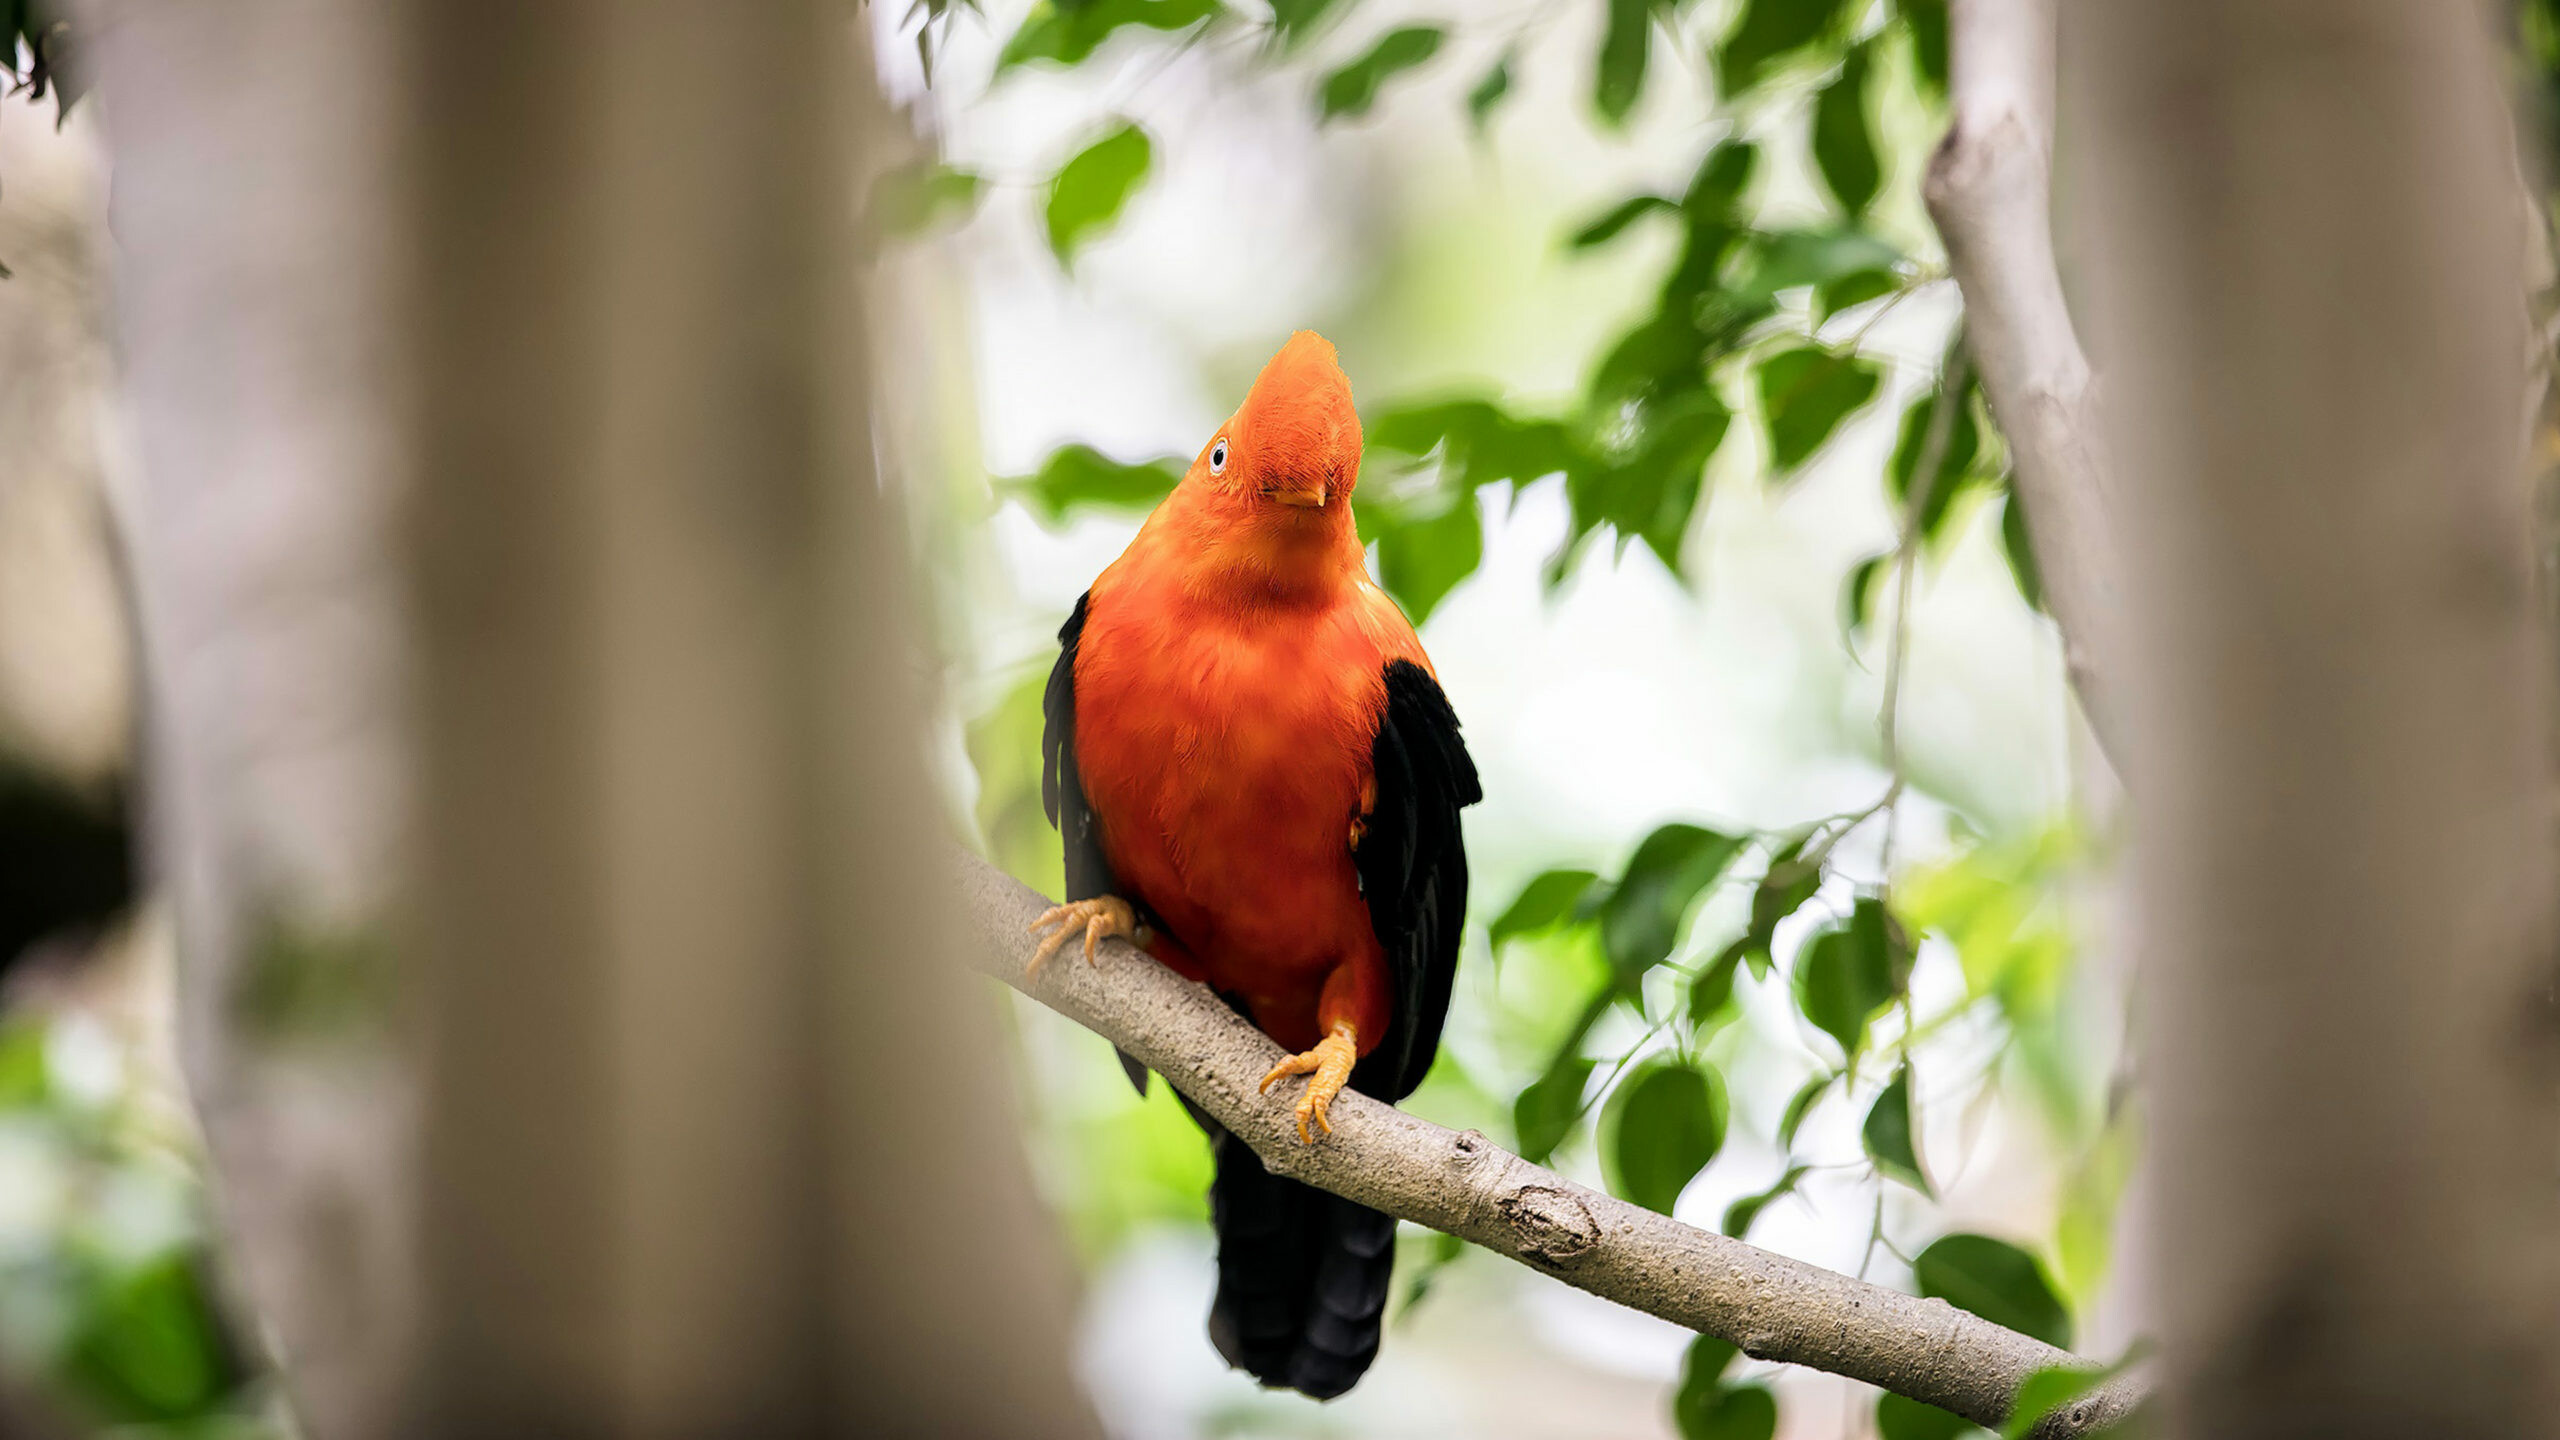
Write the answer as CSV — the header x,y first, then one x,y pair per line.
x,y
2308,299
1465,1185
1990,192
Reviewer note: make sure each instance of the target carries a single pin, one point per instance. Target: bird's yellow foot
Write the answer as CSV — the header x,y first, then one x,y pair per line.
x,y
1100,916
1328,1067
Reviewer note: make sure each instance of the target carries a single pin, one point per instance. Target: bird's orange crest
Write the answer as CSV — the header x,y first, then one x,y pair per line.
x,y
1296,438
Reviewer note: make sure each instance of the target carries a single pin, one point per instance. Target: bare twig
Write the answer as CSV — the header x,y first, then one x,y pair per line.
x,y
1463,1184
1990,190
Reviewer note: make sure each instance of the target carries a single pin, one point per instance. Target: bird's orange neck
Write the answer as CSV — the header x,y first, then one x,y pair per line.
x,y
1239,549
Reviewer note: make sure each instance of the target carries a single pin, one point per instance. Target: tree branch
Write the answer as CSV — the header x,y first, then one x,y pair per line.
x,y
1990,190
1463,1184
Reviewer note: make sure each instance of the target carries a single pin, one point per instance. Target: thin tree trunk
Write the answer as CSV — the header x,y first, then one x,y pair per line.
x,y
694,991
2309,312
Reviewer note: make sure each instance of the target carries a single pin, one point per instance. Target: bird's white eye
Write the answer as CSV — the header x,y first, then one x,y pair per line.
x,y
1218,457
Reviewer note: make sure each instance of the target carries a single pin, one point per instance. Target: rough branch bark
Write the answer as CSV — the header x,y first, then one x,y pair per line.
x,y
1463,1184
1990,190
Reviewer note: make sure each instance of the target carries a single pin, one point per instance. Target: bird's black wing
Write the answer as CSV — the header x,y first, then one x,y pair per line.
x,y
1062,789
1412,861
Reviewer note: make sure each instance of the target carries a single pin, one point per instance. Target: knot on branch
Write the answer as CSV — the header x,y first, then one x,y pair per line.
x,y
1549,1226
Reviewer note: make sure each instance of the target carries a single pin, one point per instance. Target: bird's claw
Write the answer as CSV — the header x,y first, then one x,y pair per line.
x,y
1328,1067
1098,917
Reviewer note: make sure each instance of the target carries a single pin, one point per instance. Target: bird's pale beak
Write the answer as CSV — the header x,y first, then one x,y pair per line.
x,y
1304,496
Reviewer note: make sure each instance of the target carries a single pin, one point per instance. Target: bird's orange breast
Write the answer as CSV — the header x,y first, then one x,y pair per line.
x,y
1226,755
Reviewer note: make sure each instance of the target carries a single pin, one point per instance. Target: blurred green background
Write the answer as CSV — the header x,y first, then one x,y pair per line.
x,y
1651,337
1791,910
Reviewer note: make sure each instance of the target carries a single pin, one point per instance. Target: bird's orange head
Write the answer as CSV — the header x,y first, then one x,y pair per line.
x,y
1295,442
1264,513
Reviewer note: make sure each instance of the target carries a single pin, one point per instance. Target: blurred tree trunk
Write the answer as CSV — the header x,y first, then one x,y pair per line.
x,y
717,1142
256,212
2309,306
530,641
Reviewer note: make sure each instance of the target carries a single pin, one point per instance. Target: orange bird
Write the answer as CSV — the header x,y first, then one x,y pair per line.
x,y
1258,780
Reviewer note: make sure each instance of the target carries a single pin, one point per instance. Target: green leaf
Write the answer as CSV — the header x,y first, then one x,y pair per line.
x,y
1804,395
1543,902
1609,226
1544,1113
1724,172
1663,879
2019,549
149,1347
1665,1123
2047,1391
1928,22
1901,1418
1293,21
1768,32
1853,289
1801,1105
1955,464
1733,1412
1785,259
1847,975
1079,477
1739,1215
1065,32
1443,1252
1624,47
1843,146
25,1077
1352,89
1712,992
1997,1281
1421,561
1489,92
1088,191
1783,889
914,199
1703,1365
1858,594
1702,1393
1889,1135
1651,493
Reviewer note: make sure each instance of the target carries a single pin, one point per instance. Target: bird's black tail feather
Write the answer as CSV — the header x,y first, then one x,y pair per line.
x,y
1302,1275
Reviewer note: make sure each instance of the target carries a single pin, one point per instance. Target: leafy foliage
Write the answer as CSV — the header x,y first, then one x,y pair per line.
x,y
1625,47
1489,92
1642,916
914,199
1066,32
1995,1280
1889,1136
1088,191
1769,32
1079,477
1547,1109
1708,1407
1848,973
1665,1123
1351,90
1900,1419
1844,145
1804,395
1739,1215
